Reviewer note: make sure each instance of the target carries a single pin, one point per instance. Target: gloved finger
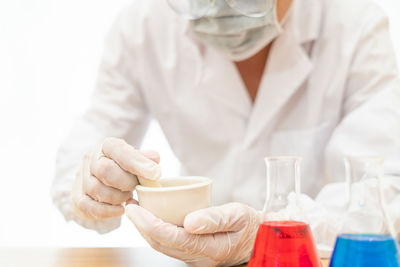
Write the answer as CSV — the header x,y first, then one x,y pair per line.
x,y
151,154
106,194
93,209
109,173
180,254
154,156
148,223
98,152
130,159
174,237
209,255
132,201
230,217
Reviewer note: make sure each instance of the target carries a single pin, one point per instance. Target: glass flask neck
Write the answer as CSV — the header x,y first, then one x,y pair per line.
x,y
366,211
283,178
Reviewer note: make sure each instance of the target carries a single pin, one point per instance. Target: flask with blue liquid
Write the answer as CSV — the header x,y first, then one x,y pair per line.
x,y
367,236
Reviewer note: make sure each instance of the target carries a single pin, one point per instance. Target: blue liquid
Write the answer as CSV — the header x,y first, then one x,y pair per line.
x,y
364,250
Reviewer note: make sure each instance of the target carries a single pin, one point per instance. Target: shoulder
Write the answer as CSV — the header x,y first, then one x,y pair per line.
x,y
351,15
146,20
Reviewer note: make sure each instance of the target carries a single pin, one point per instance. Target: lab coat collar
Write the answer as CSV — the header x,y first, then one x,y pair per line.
x,y
288,66
286,71
305,20
217,70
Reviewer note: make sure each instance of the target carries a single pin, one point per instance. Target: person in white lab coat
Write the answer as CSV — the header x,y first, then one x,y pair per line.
x,y
311,78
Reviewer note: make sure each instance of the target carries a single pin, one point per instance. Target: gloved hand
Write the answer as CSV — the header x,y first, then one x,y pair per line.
x,y
216,236
107,177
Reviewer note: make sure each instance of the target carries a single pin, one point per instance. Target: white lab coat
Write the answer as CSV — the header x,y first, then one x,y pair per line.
x,y
330,89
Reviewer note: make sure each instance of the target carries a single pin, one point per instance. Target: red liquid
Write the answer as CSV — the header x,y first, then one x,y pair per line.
x,y
284,244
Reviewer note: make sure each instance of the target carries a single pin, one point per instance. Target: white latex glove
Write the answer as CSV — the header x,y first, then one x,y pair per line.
x,y
216,236
107,177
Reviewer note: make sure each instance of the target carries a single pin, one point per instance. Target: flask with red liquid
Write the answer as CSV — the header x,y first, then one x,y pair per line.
x,y
280,241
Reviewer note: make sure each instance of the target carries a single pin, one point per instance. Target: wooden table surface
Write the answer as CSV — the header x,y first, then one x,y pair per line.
x,y
88,257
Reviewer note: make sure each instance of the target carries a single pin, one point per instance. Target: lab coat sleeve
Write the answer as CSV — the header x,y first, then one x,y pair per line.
x,y
370,124
118,109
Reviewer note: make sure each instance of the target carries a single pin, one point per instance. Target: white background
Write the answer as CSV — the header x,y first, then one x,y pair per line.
x,y
49,55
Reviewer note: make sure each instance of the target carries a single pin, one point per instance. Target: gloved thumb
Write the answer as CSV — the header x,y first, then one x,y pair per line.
x,y
230,217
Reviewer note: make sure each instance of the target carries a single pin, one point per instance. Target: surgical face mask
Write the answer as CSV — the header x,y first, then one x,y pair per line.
x,y
226,28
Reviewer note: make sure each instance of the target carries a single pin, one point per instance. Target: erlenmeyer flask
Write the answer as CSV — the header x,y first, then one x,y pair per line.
x,y
280,241
366,237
